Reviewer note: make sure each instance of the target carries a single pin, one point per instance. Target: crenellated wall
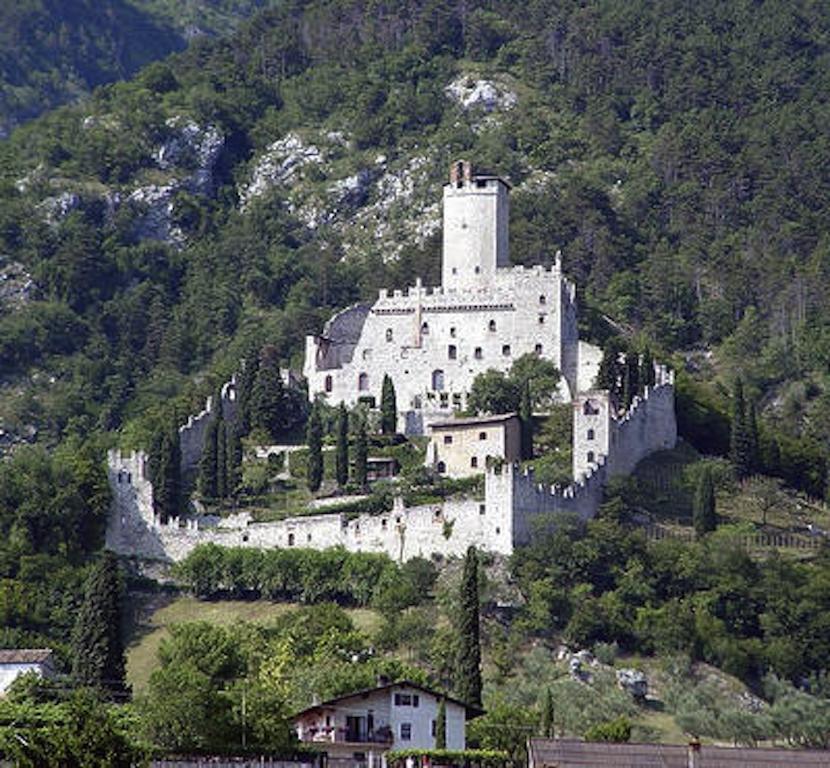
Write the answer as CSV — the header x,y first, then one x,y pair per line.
x,y
192,432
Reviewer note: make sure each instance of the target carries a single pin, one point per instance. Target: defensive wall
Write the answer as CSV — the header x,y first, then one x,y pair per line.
x,y
192,432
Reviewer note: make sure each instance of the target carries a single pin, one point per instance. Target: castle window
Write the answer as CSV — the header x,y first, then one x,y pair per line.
x,y
452,333
541,319
543,299
505,350
456,400
367,354
447,439
481,509
481,183
389,334
590,408
538,349
425,329
308,537
383,524
590,457
482,435
290,539
442,468
498,531
329,384
454,271
438,380
452,352
363,382
445,400
478,270
492,326
416,402
590,434
478,353
474,462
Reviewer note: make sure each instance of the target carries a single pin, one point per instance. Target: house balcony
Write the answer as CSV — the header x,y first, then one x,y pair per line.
x,y
380,735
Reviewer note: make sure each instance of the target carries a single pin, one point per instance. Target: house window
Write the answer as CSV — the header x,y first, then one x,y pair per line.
x,y
442,468
543,299
363,382
492,326
478,353
447,439
474,462
482,435
538,349
329,384
406,731
425,329
415,699
590,434
403,700
590,457
505,350
452,352
438,380
389,334
290,539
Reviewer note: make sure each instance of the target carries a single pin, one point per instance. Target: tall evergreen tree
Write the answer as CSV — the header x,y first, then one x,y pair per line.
x,y
97,647
233,459
268,396
245,388
753,439
740,442
631,379
547,715
704,514
221,459
207,463
611,368
441,726
647,377
388,407
342,452
314,439
526,418
167,483
468,662
361,456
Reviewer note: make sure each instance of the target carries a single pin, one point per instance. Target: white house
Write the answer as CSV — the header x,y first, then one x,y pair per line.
x,y
19,661
359,728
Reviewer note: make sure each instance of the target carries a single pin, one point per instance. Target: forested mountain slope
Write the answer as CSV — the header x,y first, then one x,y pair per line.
x,y
240,191
53,51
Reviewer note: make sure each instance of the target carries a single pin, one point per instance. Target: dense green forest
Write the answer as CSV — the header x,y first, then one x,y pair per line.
x,y
236,193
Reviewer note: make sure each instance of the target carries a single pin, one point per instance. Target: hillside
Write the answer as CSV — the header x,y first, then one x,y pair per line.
x,y
54,52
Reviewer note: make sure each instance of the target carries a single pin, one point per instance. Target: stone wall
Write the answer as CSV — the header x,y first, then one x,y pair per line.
x,y
192,433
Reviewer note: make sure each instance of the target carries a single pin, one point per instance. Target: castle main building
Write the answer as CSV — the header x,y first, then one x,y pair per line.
x,y
433,341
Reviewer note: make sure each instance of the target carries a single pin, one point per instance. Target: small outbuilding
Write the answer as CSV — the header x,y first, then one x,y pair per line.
x,y
15,662
461,447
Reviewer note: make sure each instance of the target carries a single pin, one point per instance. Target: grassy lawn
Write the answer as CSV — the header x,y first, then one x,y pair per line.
x,y
143,647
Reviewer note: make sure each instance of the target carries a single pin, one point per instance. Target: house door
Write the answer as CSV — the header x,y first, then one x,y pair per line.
x,y
370,726
355,728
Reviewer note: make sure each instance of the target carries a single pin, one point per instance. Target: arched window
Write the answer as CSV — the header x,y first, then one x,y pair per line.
x,y
389,334
505,350
452,352
538,349
590,457
329,384
442,468
543,299
590,434
425,329
478,270
438,381
478,353
363,382
590,408
290,539
474,462
492,326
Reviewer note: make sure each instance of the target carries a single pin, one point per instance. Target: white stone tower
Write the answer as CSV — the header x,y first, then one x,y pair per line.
x,y
476,212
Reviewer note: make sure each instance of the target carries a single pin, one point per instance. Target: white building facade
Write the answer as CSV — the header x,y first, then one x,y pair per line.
x,y
433,342
19,661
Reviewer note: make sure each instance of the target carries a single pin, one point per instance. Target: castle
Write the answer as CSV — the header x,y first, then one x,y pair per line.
x,y
432,342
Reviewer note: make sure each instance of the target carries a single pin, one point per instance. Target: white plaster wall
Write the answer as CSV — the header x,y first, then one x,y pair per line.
x,y
10,672
589,357
503,441
583,423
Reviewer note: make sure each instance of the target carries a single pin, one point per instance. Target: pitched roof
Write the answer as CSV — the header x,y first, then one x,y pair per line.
x,y
572,753
473,420
470,709
25,655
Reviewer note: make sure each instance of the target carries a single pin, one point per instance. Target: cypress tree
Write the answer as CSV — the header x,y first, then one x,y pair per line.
x,y
244,389
268,396
441,726
753,439
97,648
207,463
526,418
314,439
704,514
233,459
611,368
221,459
647,377
740,444
167,489
361,456
388,407
342,453
631,379
468,663
547,715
